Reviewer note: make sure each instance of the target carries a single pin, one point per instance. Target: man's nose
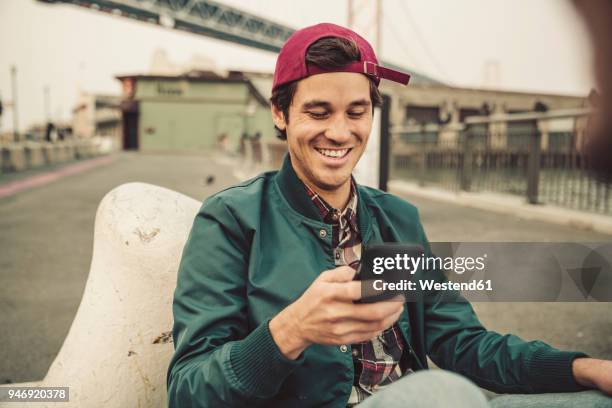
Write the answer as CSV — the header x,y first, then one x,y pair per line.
x,y
338,130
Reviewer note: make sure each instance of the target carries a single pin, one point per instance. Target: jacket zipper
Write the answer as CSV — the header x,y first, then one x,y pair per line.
x,y
414,355
411,351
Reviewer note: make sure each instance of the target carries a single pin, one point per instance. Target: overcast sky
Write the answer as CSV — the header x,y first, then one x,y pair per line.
x,y
537,45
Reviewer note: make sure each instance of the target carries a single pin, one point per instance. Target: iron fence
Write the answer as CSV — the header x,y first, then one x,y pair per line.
x,y
523,155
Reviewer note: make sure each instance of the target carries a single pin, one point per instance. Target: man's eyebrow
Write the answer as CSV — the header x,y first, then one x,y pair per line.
x,y
323,104
316,104
360,102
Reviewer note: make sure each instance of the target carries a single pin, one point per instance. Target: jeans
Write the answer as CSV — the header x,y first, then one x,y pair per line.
x,y
439,388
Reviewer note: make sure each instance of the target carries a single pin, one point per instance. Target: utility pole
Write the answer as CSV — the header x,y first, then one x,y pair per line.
x,y
1,111
378,28
47,100
14,104
364,17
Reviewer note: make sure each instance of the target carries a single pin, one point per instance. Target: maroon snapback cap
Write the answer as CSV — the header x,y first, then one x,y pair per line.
x,y
291,62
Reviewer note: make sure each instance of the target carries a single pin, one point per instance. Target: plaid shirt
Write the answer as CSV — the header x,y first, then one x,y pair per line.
x,y
376,361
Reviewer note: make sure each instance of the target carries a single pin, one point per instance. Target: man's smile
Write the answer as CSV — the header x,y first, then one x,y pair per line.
x,y
337,154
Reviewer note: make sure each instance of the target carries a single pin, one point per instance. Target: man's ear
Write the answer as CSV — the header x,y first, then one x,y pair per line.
x,y
278,118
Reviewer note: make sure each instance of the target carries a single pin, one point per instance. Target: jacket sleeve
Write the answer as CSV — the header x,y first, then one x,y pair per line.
x,y
457,341
219,360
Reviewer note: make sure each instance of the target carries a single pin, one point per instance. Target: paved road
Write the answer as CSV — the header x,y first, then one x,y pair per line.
x,y
46,236
46,240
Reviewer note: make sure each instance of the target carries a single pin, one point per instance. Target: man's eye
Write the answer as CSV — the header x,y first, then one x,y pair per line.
x,y
356,114
318,115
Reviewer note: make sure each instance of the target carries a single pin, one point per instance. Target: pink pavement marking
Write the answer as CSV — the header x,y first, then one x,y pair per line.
x,y
16,186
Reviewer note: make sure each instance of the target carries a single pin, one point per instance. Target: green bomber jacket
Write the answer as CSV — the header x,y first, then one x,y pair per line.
x,y
254,248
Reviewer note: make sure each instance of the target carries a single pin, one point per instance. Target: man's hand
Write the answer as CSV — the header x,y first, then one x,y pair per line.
x,y
326,314
593,373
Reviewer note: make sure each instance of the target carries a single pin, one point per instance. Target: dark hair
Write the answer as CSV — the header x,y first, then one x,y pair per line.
x,y
327,53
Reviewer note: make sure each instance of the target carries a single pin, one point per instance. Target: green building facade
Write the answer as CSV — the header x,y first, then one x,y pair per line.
x,y
190,113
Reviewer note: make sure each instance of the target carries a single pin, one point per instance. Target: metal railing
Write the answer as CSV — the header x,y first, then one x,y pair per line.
x,y
525,154
421,153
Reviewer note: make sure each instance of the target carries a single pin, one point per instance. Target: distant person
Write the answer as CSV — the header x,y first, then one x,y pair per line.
x,y
222,141
257,148
243,141
264,311
598,17
49,130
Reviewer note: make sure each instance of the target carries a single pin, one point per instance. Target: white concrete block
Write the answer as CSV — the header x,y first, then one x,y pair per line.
x,y
34,155
13,158
118,348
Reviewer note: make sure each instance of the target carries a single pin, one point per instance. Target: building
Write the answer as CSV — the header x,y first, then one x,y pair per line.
x,y
97,115
194,111
429,102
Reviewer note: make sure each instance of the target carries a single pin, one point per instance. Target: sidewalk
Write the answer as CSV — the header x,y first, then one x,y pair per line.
x,y
508,204
14,183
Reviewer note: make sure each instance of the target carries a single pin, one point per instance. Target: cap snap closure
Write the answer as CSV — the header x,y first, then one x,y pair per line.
x,y
343,348
322,233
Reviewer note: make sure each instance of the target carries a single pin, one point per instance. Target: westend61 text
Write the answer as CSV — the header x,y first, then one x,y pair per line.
x,y
429,284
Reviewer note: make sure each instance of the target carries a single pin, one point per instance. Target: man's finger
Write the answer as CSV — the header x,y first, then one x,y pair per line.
x,y
346,291
372,312
339,274
368,312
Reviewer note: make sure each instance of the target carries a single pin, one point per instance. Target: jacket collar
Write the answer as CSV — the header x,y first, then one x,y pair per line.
x,y
294,192
291,187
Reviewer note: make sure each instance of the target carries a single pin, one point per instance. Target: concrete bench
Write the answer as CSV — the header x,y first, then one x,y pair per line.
x,y
48,152
13,158
34,155
69,150
61,155
85,148
117,350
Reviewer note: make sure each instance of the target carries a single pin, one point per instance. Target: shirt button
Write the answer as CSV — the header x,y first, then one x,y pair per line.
x,y
322,233
343,348
337,254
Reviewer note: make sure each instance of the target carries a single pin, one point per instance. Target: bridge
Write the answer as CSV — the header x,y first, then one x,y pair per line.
x,y
212,19
204,17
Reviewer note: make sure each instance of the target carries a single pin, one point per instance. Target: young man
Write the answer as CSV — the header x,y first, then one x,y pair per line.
x,y
264,306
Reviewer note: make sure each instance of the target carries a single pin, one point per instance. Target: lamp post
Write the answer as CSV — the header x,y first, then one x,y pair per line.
x,y
15,109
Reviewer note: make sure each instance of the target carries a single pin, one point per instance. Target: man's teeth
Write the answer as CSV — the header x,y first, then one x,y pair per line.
x,y
333,153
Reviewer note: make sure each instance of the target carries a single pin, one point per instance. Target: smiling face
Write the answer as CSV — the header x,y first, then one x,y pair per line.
x,y
330,119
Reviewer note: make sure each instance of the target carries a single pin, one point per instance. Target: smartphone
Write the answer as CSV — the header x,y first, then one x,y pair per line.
x,y
382,264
